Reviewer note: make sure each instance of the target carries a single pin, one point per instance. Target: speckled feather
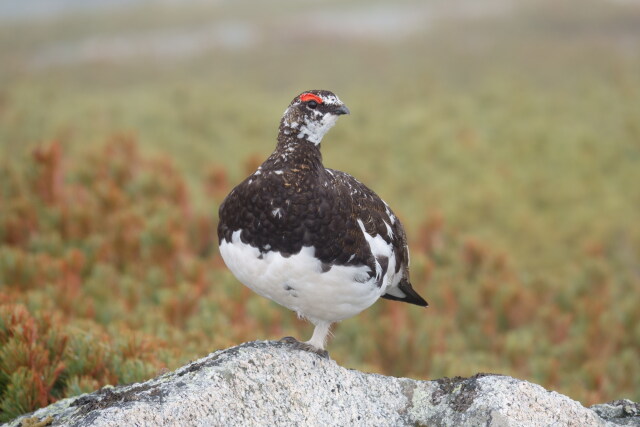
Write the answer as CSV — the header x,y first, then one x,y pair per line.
x,y
293,201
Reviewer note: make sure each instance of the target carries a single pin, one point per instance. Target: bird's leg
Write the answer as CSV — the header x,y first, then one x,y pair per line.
x,y
320,334
316,343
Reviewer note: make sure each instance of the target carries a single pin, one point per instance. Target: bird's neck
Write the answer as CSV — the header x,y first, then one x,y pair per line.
x,y
293,152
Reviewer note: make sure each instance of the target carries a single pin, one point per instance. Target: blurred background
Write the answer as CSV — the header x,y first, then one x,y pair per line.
x,y
505,135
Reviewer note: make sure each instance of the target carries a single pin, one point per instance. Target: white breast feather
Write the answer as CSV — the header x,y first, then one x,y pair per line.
x,y
298,283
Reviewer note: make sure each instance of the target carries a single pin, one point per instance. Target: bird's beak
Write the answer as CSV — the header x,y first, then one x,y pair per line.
x,y
342,110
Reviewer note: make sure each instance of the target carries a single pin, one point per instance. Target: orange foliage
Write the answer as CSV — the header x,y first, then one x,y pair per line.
x,y
109,275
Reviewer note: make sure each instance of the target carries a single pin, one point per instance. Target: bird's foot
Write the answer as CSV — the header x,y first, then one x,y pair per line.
x,y
305,346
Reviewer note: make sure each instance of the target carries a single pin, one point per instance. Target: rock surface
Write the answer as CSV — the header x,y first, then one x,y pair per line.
x,y
270,383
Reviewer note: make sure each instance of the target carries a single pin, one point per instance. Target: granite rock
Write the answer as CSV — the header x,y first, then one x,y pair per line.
x,y
271,383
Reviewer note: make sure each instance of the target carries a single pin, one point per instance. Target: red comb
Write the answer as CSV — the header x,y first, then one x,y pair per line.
x,y
310,97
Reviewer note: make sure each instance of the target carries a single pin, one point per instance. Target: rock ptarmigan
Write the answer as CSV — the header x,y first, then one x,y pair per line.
x,y
313,239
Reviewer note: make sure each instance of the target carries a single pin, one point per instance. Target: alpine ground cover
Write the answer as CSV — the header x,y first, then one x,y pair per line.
x,y
513,166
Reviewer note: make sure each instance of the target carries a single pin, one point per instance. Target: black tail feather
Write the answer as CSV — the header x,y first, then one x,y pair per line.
x,y
411,296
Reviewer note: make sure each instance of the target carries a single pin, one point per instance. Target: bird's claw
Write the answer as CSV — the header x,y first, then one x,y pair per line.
x,y
305,346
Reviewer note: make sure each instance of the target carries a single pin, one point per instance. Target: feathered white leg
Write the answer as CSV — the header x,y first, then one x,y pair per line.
x,y
320,334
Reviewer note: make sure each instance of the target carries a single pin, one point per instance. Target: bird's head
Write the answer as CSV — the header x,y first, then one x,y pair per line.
x,y
311,114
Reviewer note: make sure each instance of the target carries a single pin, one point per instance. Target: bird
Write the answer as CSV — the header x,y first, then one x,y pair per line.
x,y
314,240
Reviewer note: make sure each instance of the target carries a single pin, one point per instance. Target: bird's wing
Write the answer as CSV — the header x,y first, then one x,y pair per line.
x,y
366,212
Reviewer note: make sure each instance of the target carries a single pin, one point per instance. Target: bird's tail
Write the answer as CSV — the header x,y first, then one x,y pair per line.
x,y
408,294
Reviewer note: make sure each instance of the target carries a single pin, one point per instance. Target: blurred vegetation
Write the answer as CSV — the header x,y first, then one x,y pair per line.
x,y
510,150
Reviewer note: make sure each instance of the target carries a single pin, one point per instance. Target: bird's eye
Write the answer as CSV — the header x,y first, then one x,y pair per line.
x,y
312,104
